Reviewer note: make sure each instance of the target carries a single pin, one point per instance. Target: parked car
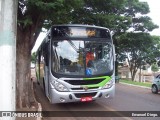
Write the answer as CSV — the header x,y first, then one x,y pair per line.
x,y
156,84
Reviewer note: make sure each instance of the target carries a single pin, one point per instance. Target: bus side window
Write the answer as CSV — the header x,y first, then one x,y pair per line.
x,y
46,54
38,60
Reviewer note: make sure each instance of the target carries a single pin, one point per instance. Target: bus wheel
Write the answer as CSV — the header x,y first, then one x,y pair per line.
x,y
154,89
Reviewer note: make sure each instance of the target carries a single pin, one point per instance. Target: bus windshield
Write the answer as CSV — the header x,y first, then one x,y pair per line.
x,y
79,57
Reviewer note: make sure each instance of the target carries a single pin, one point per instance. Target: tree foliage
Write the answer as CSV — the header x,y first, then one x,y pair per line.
x,y
140,22
105,13
138,48
154,67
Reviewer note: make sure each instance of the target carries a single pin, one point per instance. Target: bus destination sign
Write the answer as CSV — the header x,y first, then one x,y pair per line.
x,y
79,32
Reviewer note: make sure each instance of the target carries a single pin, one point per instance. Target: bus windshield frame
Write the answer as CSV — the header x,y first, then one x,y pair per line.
x,y
78,34
60,37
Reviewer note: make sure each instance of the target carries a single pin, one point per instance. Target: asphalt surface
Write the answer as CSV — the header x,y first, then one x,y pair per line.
x,y
127,98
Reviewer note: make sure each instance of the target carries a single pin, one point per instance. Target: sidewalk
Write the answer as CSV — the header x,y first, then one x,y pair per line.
x,y
134,85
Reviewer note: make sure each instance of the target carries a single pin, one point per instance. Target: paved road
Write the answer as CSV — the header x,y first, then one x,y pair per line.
x,y
127,98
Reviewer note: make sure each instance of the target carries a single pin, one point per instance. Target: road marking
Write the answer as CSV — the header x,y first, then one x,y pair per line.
x,y
111,109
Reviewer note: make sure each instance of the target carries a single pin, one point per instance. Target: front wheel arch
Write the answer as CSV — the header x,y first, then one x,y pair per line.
x,y
154,89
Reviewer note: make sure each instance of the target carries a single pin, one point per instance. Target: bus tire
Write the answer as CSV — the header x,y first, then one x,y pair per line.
x,y
154,89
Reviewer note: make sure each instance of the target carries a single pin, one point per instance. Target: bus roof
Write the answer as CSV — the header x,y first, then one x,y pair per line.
x,y
80,25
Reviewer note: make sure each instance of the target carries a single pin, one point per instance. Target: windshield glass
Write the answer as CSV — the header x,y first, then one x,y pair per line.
x,y
82,57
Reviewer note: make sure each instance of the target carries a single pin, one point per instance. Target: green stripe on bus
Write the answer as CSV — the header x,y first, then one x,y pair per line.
x,y
96,78
101,84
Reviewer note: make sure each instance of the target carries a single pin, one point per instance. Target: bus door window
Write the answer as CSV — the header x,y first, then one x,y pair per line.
x,y
41,65
46,53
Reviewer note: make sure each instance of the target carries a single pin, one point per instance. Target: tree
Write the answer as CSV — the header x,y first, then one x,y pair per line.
x,y
140,22
139,48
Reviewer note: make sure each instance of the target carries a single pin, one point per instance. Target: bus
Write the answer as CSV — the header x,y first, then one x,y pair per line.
x,y
76,63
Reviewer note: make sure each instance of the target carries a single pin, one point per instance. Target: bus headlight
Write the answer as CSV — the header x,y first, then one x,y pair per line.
x,y
108,84
60,87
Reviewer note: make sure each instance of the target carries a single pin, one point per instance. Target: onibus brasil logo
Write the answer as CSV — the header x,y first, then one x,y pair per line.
x,y
20,114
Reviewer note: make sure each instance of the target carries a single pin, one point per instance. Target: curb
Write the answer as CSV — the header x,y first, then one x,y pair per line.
x,y
38,105
135,85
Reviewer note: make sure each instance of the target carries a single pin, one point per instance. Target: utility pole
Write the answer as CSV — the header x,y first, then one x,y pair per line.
x,y
8,23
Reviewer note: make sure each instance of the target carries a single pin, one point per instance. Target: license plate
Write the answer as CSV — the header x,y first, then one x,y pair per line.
x,y
86,99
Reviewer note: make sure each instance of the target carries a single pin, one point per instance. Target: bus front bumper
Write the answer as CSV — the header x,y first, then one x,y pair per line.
x,y
65,97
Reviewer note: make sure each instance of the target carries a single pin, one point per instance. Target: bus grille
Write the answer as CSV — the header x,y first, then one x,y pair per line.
x,y
83,88
80,95
84,82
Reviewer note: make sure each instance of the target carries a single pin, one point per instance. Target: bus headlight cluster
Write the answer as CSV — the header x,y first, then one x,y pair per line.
x,y
60,87
108,84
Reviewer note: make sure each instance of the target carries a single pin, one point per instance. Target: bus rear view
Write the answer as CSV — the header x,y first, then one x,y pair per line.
x,y
75,63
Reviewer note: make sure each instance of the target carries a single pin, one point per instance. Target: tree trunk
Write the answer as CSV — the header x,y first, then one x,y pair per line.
x,y
23,81
26,38
133,77
116,68
134,71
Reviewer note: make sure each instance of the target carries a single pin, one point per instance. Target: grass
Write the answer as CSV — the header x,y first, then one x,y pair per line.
x,y
146,84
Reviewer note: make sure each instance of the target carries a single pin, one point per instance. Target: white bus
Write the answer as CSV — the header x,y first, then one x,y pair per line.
x,y
76,63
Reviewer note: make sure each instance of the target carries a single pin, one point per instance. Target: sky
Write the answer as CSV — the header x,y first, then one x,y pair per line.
x,y
154,15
